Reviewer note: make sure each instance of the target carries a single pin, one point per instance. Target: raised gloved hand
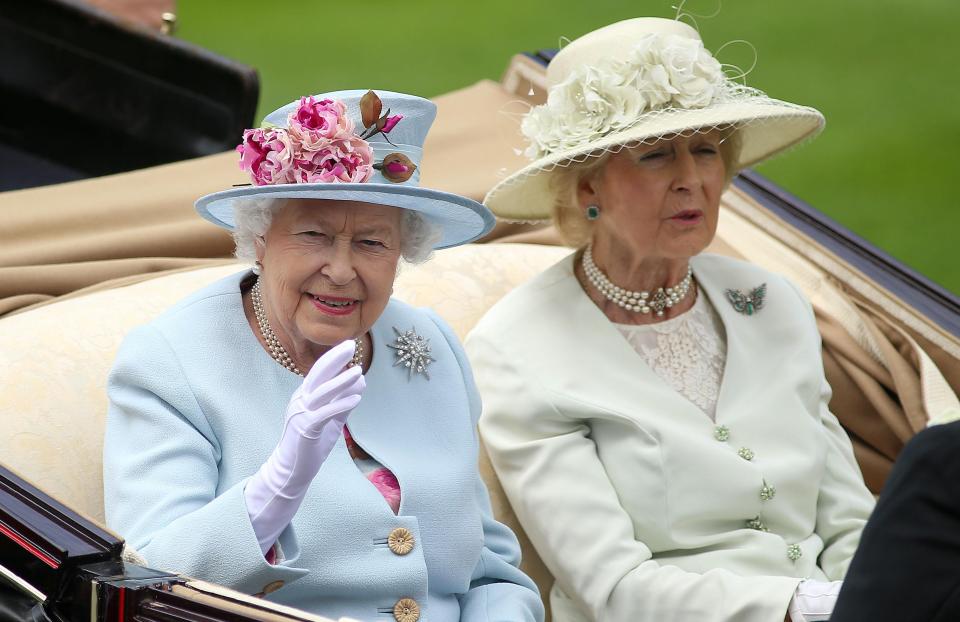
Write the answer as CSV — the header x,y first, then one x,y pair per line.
x,y
314,421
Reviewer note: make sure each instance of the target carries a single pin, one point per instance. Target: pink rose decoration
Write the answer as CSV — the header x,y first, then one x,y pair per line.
x,y
267,155
347,160
390,122
396,167
387,485
314,123
318,146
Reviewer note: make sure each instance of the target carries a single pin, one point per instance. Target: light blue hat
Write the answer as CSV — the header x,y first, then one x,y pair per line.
x,y
460,219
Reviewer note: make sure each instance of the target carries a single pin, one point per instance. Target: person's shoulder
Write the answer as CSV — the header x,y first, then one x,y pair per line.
x,y
222,291
537,297
206,300
729,266
404,316
935,442
735,272
401,316
200,314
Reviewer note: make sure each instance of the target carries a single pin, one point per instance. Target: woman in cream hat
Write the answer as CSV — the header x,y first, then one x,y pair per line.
x,y
658,417
293,432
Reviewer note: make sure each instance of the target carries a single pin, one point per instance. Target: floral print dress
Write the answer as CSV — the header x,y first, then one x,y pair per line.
x,y
380,476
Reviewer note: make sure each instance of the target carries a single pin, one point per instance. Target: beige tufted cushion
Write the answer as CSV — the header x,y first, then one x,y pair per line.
x,y
462,283
53,374
55,359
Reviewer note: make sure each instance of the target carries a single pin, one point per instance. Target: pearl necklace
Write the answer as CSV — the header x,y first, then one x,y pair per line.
x,y
639,302
274,346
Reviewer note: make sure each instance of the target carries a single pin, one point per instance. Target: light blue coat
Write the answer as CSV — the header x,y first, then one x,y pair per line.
x,y
196,406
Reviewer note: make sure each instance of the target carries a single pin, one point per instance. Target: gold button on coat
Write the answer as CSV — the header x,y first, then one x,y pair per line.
x,y
400,541
406,610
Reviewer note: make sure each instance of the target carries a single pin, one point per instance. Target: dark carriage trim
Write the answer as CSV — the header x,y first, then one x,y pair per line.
x,y
903,282
163,604
77,568
42,541
542,56
52,525
154,98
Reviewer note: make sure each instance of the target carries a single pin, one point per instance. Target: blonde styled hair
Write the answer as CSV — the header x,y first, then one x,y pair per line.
x,y
568,216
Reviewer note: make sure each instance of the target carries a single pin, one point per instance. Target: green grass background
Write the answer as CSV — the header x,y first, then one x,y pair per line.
x,y
884,72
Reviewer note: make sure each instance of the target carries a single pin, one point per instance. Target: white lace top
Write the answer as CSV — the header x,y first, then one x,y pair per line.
x,y
687,351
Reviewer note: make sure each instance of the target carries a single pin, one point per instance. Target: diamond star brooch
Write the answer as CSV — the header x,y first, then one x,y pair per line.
x,y
413,352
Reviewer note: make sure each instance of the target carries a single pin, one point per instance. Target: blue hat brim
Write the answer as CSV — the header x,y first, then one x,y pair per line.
x,y
461,220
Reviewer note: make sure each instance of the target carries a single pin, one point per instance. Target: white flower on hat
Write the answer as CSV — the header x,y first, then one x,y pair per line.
x,y
695,77
591,101
660,72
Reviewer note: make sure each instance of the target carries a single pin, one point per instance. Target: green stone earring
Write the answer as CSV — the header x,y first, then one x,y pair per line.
x,y
593,212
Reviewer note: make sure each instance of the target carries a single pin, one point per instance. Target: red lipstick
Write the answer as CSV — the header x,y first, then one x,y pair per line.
x,y
334,305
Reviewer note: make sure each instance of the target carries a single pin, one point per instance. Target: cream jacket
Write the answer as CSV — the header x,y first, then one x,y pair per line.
x,y
641,506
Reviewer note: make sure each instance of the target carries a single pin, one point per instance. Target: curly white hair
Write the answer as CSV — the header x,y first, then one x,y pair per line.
x,y
253,218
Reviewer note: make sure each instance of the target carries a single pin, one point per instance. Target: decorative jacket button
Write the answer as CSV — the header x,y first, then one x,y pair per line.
x,y
756,523
794,552
746,453
273,586
767,492
721,433
406,610
400,541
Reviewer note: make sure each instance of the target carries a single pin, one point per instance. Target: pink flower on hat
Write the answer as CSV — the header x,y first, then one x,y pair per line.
x,y
343,160
267,155
314,121
373,121
390,123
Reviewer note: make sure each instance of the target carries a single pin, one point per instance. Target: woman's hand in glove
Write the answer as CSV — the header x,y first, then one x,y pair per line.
x,y
314,421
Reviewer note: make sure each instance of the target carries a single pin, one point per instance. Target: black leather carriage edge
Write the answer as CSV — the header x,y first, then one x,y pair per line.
x,y
84,94
58,566
916,290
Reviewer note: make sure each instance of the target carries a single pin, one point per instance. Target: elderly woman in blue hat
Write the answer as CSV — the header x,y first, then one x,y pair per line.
x,y
291,431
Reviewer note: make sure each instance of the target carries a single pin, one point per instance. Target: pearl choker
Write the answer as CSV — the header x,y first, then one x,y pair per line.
x,y
639,302
277,350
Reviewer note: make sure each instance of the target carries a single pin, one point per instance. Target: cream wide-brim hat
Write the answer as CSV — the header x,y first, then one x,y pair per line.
x,y
765,126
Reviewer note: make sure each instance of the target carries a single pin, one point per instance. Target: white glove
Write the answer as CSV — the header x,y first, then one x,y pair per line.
x,y
814,600
314,421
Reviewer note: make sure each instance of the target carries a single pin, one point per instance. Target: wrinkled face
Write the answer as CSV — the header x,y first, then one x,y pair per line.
x,y
659,200
328,269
